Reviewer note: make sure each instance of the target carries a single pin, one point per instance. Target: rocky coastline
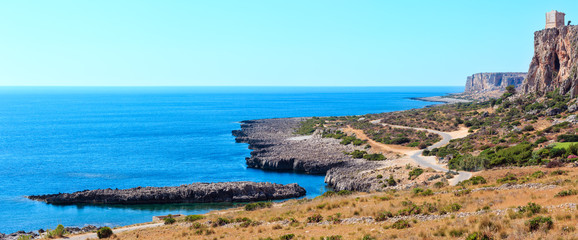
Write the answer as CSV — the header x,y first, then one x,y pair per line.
x,y
190,193
275,147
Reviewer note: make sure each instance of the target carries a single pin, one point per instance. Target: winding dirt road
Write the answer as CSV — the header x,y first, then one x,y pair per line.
x,y
430,161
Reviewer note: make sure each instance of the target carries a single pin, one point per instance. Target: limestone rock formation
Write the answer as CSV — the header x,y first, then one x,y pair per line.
x,y
486,82
275,147
191,193
555,62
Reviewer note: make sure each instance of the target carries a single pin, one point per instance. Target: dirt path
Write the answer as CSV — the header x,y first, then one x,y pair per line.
x,y
431,162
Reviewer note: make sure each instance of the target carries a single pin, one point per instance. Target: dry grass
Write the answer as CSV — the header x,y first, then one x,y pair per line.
x,y
290,217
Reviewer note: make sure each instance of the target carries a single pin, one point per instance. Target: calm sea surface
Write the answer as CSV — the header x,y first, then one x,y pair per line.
x,y
69,139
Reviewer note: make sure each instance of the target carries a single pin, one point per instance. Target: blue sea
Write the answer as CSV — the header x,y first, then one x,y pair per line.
x,y
66,139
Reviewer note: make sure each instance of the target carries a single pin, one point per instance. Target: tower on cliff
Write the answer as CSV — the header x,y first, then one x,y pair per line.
x,y
554,19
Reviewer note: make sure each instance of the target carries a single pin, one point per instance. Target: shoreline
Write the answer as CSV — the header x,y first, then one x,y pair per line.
x,y
437,99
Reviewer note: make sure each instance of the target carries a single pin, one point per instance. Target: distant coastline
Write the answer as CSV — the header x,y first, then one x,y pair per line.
x,y
443,99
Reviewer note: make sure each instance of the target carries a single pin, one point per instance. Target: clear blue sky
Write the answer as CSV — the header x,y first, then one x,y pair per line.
x,y
267,42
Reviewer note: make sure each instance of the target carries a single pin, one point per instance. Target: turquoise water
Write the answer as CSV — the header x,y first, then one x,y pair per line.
x,y
68,139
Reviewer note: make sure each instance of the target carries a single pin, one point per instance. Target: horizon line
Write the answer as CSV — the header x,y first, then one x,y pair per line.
x,y
2,86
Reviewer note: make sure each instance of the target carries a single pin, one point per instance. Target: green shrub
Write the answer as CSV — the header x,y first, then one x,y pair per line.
x,y
469,163
374,157
400,224
457,232
104,232
287,236
415,173
382,216
567,138
540,222
541,140
170,220
528,128
478,236
257,205
473,181
309,126
462,192
509,178
192,218
222,221
24,237
58,232
391,182
530,209
537,174
334,237
368,237
565,193
439,184
197,225
315,218
358,154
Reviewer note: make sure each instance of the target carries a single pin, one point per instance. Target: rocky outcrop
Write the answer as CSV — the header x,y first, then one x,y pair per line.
x,y
487,82
275,147
555,62
191,193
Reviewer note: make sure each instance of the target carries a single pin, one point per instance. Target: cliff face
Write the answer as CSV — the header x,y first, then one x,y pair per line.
x,y
486,82
555,62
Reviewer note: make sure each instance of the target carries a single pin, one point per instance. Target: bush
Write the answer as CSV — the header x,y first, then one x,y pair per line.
x,y
478,236
391,182
567,138
565,193
400,224
368,237
509,178
192,218
439,184
473,181
287,236
222,221
104,232
374,157
415,173
257,205
334,237
530,209
469,163
554,164
58,232
24,237
340,193
382,216
315,218
358,154
540,222
528,128
170,220
541,140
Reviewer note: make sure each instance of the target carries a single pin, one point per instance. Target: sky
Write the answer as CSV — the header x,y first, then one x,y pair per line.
x,y
267,42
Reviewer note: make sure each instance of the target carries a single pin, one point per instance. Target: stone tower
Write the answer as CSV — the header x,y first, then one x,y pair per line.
x,y
554,19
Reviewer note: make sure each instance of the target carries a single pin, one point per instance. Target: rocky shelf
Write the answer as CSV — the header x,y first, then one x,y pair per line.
x,y
191,193
275,147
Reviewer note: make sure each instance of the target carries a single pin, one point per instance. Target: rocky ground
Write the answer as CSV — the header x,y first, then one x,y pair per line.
x,y
275,147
